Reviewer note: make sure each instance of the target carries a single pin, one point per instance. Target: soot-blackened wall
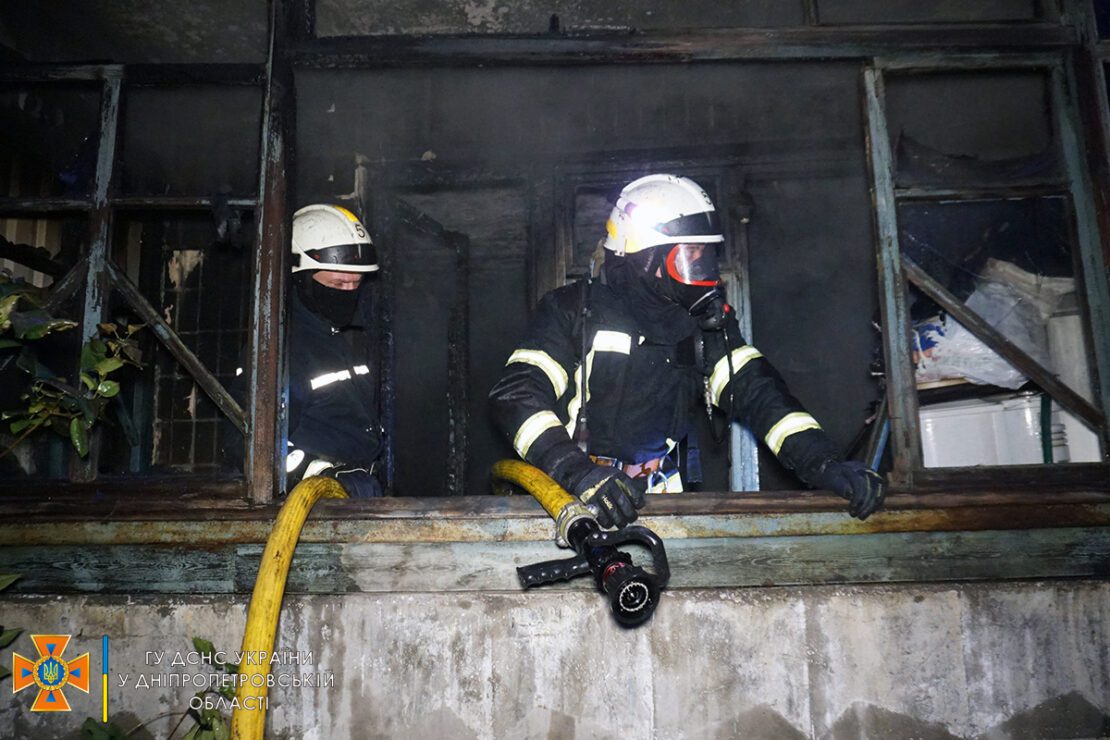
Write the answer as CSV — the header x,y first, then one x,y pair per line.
x,y
789,135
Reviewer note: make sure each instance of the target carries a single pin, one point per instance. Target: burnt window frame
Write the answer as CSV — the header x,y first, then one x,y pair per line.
x,y
264,474
94,278
897,272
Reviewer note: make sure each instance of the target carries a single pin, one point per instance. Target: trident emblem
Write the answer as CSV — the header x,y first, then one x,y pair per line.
x,y
51,673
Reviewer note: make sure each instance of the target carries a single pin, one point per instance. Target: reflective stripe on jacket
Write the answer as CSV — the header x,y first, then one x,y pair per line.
x,y
641,394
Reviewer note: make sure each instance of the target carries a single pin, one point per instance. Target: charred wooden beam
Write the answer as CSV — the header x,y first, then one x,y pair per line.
x,y
201,374
177,203
60,72
16,206
202,510
994,339
63,289
1046,190
36,258
100,220
138,74
893,296
458,368
265,441
810,42
195,74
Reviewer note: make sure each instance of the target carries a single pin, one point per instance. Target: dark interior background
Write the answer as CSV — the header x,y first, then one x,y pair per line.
x,y
788,135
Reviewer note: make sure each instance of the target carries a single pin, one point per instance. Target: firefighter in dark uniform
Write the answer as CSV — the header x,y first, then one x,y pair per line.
x,y
656,338
333,422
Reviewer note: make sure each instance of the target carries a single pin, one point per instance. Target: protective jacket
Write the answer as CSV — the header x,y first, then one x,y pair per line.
x,y
331,394
648,366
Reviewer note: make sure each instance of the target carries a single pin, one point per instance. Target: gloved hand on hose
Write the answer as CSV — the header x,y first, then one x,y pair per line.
x,y
864,488
613,495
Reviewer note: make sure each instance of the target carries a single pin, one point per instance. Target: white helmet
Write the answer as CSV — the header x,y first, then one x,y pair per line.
x,y
661,209
327,237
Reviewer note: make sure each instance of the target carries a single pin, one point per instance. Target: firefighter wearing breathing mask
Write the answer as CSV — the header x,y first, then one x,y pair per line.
x,y
333,421
653,337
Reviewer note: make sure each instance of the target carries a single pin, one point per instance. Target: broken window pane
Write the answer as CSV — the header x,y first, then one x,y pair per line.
x,y
41,249
969,129
1010,262
48,140
198,283
199,140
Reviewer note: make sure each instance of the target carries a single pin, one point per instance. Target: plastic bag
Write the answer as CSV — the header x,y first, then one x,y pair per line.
x,y
944,349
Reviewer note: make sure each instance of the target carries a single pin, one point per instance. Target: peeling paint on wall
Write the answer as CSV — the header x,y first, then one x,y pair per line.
x,y
826,662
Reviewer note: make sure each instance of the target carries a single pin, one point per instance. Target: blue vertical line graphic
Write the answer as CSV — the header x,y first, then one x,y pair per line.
x,y
104,679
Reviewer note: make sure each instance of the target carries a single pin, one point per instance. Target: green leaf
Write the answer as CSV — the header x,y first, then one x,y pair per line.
x,y
92,352
94,730
19,426
108,365
37,324
204,647
6,343
132,352
89,381
8,636
108,388
220,729
7,305
193,734
8,579
28,362
79,436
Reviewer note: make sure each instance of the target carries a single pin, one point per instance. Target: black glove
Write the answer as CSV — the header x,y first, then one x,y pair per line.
x,y
863,487
612,493
357,481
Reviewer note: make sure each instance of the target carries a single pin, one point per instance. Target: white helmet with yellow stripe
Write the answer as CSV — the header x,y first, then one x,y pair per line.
x,y
327,237
661,209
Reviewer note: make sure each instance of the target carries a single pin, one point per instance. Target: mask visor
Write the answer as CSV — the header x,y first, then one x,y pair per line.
x,y
694,264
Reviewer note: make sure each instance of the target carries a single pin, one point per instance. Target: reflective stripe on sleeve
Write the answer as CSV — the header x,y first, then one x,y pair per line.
x,y
532,428
799,421
538,358
328,378
720,377
612,341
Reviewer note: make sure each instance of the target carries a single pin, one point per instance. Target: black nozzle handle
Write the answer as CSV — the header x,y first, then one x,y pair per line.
x,y
644,536
551,571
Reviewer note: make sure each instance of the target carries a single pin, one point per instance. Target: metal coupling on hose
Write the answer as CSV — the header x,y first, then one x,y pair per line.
x,y
570,514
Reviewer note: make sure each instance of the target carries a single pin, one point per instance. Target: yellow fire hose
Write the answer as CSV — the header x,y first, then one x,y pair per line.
x,y
552,497
248,719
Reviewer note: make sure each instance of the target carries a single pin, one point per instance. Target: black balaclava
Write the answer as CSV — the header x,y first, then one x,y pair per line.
x,y
335,306
658,317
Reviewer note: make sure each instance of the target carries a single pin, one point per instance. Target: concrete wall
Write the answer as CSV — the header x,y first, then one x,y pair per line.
x,y
1012,660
